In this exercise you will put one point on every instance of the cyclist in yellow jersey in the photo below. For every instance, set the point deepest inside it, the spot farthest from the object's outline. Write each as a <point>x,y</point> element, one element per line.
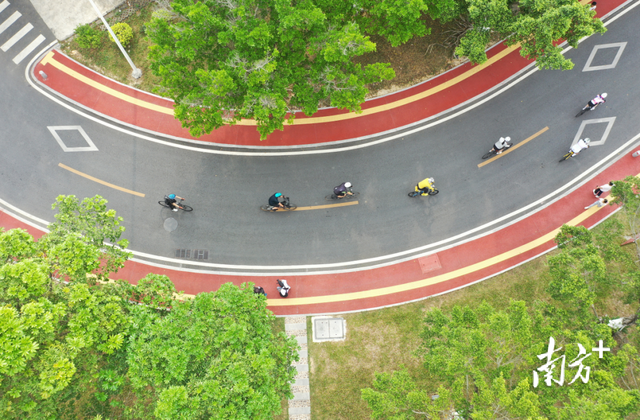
<point>425,186</point>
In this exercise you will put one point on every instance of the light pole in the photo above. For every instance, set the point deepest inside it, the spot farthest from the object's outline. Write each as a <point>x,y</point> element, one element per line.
<point>137,73</point>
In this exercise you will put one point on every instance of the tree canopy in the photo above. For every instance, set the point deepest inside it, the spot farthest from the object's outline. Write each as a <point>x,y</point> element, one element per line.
<point>222,61</point>
<point>75,344</point>
<point>481,360</point>
<point>535,25</point>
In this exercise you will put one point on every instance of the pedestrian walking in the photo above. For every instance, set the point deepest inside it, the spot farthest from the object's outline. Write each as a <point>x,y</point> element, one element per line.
<point>603,189</point>
<point>601,202</point>
<point>283,287</point>
<point>259,291</point>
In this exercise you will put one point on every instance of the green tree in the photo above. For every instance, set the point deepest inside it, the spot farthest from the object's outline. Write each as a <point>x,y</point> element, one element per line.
<point>481,361</point>
<point>51,333</point>
<point>535,25</point>
<point>85,239</point>
<point>259,59</point>
<point>215,356</point>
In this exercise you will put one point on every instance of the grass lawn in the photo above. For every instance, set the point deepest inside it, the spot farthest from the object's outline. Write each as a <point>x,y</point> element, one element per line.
<point>384,340</point>
<point>109,61</point>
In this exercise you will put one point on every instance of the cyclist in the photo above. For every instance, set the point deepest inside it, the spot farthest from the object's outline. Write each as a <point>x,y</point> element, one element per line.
<point>501,145</point>
<point>580,146</point>
<point>425,186</point>
<point>343,190</point>
<point>171,201</point>
<point>599,99</point>
<point>274,201</point>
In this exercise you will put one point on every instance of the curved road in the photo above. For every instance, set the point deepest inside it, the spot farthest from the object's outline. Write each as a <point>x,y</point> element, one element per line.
<point>226,191</point>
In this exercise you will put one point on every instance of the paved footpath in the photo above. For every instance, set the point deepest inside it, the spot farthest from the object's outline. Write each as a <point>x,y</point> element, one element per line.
<point>415,279</point>
<point>427,100</point>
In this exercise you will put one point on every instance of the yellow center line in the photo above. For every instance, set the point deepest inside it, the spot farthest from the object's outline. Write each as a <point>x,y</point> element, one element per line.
<point>82,174</point>
<point>49,59</point>
<point>433,280</point>
<point>512,148</point>
<point>328,206</point>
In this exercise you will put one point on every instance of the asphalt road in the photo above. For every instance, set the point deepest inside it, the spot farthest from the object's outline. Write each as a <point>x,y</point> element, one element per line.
<point>226,191</point>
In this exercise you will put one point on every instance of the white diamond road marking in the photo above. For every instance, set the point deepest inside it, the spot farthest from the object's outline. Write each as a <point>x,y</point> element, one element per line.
<point>619,45</point>
<point>28,49</point>
<point>54,129</point>
<point>17,37</point>
<point>15,16</point>
<point>609,121</point>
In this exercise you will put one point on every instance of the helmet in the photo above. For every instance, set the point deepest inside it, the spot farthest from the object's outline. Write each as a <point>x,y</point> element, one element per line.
<point>507,139</point>
<point>604,95</point>
<point>347,184</point>
<point>172,196</point>
<point>587,140</point>
<point>431,180</point>
<point>278,195</point>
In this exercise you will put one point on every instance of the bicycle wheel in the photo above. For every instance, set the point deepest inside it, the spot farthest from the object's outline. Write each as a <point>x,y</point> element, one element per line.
<point>163,204</point>
<point>290,208</point>
<point>265,208</point>
<point>186,208</point>
<point>334,197</point>
<point>487,155</point>
<point>414,193</point>
<point>434,192</point>
<point>582,111</point>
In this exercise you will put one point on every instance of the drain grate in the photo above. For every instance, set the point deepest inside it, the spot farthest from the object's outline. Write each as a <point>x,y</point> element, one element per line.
<point>192,254</point>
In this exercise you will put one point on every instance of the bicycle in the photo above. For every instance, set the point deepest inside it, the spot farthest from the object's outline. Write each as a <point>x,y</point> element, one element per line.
<point>285,203</point>
<point>181,206</point>
<point>495,151</point>
<point>568,155</point>
<point>432,191</point>
<point>589,107</point>
<point>585,109</point>
<point>333,197</point>
<point>582,143</point>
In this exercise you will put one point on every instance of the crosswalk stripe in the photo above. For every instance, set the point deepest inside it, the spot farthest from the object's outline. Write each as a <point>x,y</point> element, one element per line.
<point>4,5</point>
<point>17,37</point>
<point>15,16</point>
<point>28,49</point>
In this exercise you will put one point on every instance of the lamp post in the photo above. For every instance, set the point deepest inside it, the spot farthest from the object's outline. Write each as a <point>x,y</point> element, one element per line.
<point>137,73</point>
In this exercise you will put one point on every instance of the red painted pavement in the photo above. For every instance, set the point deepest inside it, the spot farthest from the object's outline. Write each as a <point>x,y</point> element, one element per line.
<point>295,134</point>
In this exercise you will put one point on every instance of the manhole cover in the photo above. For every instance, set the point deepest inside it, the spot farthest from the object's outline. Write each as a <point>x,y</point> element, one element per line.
<point>170,224</point>
<point>327,328</point>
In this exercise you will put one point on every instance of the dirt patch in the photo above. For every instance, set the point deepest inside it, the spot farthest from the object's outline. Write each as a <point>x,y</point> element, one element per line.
<point>418,60</point>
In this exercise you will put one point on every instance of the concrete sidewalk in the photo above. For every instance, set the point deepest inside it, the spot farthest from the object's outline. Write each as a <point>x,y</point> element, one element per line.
<point>63,16</point>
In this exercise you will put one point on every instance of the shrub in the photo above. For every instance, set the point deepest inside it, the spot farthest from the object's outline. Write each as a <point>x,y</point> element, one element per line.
<point>124,33</point>
<point>88,36</point>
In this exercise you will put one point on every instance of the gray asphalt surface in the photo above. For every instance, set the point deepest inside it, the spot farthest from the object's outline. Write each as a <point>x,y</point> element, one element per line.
<point>226,191</point>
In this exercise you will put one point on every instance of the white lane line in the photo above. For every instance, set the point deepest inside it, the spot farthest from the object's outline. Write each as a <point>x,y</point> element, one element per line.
<point>331,268</point>
<point>17,37</point>
<point>4,5</point>
<point>15,16</point>
<point>29,49</point>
